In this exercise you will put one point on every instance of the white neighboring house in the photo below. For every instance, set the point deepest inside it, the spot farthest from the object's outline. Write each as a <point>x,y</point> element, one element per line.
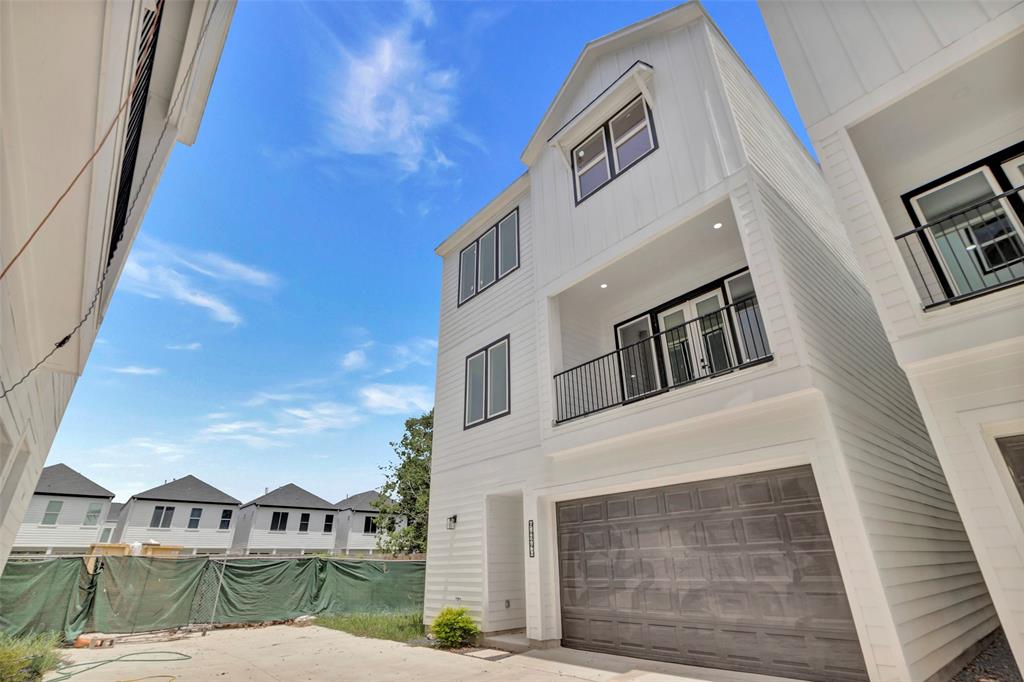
<point>66,69</point>
<point>357,524</point>
<point>917,113</point>
<point>65,514</point>
<point>668,421</point>
<point>110,522</point>
<point>286,521</point>
<point>185,511</point>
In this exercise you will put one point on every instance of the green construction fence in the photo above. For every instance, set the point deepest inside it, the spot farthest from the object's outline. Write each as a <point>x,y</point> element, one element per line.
<point>141,594</point>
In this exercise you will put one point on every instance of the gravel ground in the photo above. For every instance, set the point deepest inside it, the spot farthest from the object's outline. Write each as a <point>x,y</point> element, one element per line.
<point>994,664</point>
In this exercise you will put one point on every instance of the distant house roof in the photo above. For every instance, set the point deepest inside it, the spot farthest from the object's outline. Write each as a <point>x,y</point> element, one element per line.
<point>114,511</point>
<point>291,495</point>
<point>187,489</point>
<point>360,502</point>
<point>60,479</point>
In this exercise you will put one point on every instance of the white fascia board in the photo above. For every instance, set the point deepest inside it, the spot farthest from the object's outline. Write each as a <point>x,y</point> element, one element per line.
<point>485,216</point>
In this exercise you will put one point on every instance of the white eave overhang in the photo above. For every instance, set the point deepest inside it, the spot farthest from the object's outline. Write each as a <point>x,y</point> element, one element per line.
<point>489,214</point>
<point>636,80</point>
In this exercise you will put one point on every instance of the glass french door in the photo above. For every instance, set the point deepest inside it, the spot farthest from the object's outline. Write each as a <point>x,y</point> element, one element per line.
<point>637,359</point>
<point>696,342</point>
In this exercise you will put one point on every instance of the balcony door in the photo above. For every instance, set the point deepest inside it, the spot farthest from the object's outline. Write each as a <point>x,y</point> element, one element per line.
<point>637,361</point>
<point>696,339</point>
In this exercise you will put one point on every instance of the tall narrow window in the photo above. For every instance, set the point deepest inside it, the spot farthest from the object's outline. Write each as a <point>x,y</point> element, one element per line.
<point>467,273</point>
<point>370,525</point>
<point>328,523</point>
<point>279,521</point>
<point>487,383</point>
<point>304,523</point>
<point>590,160</point>
<point>508,243</point>
<point>631,134</point>
<point>225,519</point>
<point>52,512</point>
<point>194,517</point>
<point>92,514</point>
<point>488,255</point>
<point>105,535</point>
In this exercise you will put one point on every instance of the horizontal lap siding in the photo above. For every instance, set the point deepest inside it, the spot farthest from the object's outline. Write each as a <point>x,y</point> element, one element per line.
<point>207,536</point>
<point>68,532</point>
<point>505,564</point>
<point>470,463</point>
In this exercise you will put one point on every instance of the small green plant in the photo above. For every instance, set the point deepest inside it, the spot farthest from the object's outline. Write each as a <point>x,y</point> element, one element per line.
<point>398,627</point>
<point>25,659</point>
<point>454,627</point>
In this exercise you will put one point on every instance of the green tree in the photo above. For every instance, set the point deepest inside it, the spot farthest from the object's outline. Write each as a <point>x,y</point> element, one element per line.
<point>405,495</point>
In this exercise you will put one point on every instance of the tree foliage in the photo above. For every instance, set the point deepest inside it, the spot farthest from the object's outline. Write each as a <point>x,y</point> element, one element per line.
<point>405,496</point>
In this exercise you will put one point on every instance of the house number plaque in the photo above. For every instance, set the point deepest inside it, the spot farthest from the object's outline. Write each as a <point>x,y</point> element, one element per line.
<point>530,526</point>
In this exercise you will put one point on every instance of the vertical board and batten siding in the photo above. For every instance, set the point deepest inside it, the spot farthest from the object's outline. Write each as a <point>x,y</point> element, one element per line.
<point>877,41</point>
<point>69,531</point>
<point>695,153</point>
<point>469,464</point>
<point>208,536</point>
<point>937,598</point>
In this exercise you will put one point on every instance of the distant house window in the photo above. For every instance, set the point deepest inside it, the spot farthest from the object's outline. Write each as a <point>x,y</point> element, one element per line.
<point>161,517</point>
<point>105,535</point>
<point>631,135</point>
<point>194,517</point>
<point>487,383</point>
<point>328,523</point>
<point>491,257</point>
<point>279,521</point>
<point>52,512</point>
<point>92,514</point>
<point>304,523</point>
<point>225,519</point>
<point>370,525</point>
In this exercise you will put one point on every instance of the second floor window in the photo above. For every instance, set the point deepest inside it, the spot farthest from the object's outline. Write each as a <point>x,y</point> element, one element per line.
<point>161,517</point>
<point>92,514</point>
<point>52,512</point>
<point>225,519</point>
<point>487,383</point>
<point>279,521</point>
<point>492,256</point>
<point>328,523</point>
<point>304,523</point>
<point>630,136</point>
<point>194,517</point>
<point>370,525</point>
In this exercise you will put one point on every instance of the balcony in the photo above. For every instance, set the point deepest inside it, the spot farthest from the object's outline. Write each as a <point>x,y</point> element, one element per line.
<point>970,251</point>
<point>716,343</point>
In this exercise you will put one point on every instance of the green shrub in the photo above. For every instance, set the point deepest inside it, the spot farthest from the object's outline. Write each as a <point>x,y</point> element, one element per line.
<point>398,627</point>
<point>25,659</point>
<point>454,627</point>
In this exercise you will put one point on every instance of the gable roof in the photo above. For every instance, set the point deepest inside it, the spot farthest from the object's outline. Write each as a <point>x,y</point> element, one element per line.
<point>593,50</point>
<point>291,495</point>
<point>360,502</point>
<point>60,479</point>
<point>114,511</point>
<point>187,489</point>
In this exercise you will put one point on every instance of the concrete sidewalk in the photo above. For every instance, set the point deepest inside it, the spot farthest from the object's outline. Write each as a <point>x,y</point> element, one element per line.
<point>292,654</point>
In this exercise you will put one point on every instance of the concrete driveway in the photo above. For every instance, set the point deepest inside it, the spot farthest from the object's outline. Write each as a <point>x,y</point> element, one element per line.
<point>294,654</point>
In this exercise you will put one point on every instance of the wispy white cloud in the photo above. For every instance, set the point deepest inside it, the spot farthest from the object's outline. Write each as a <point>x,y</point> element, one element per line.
<point>137,370</point>
<point>323,416</point>
<point>264,397</point>
<point>396,398</point>
<point>353,360</point>
<point>163,271</point>
<point>416,351</point>
<point>390,99</point>
<point>195,345</point>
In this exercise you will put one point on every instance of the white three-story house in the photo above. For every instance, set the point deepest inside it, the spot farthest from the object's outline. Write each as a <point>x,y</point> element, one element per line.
<point>916,111</point>
<point>65,514</point>
<point>669,423</point>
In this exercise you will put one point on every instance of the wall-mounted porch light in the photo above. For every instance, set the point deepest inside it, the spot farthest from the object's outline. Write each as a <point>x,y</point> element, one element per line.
<point>451,522</point>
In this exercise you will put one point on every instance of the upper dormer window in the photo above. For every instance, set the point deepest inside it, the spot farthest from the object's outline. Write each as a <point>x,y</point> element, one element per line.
<point>629,133</point>
<point>492,256</point>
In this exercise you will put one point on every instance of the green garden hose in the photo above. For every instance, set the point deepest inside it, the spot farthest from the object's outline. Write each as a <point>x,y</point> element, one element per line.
<point>66,672</point>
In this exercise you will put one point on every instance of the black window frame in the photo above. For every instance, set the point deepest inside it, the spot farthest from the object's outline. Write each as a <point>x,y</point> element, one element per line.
<point>279,519</point>
<point>193,517</point>
<point>328,523</point>
<point>225,519</point>
<point>507,340</point>
<point>477,289</point>
<point>304,522</point>
<point>370,525</point>
<point>613,170</point>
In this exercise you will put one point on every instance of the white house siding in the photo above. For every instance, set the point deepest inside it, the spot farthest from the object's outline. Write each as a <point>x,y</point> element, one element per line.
<point>351,535</point>
<point>262,539</point>
<point>469,464</point>
<point>504,585</point>
<point>139,513</point>
<point>69,533</point>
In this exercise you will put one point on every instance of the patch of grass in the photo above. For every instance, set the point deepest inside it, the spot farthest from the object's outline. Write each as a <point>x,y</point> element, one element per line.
<point>398,627</point>
<point>25,659</point>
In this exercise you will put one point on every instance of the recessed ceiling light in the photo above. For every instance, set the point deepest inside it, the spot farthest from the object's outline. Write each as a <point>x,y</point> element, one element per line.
<point>971,247</point>
<point>717,226</point>
<point>604,286</point>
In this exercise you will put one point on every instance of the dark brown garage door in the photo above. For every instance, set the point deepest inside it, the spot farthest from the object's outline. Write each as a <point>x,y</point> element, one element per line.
<point>736,573</point>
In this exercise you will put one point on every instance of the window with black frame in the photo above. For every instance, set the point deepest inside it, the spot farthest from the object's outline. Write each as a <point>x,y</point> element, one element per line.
<point>490,257</point>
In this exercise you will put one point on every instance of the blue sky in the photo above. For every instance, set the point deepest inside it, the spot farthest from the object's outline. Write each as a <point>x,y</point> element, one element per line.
<point>277,320</point>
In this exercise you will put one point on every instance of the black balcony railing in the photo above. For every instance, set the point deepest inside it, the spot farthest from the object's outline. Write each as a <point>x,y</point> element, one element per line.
<point>971,252</point>
<point>710,345</point>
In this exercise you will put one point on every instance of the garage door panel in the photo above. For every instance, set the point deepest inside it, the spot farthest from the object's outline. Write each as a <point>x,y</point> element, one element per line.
<point>736,573</point>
